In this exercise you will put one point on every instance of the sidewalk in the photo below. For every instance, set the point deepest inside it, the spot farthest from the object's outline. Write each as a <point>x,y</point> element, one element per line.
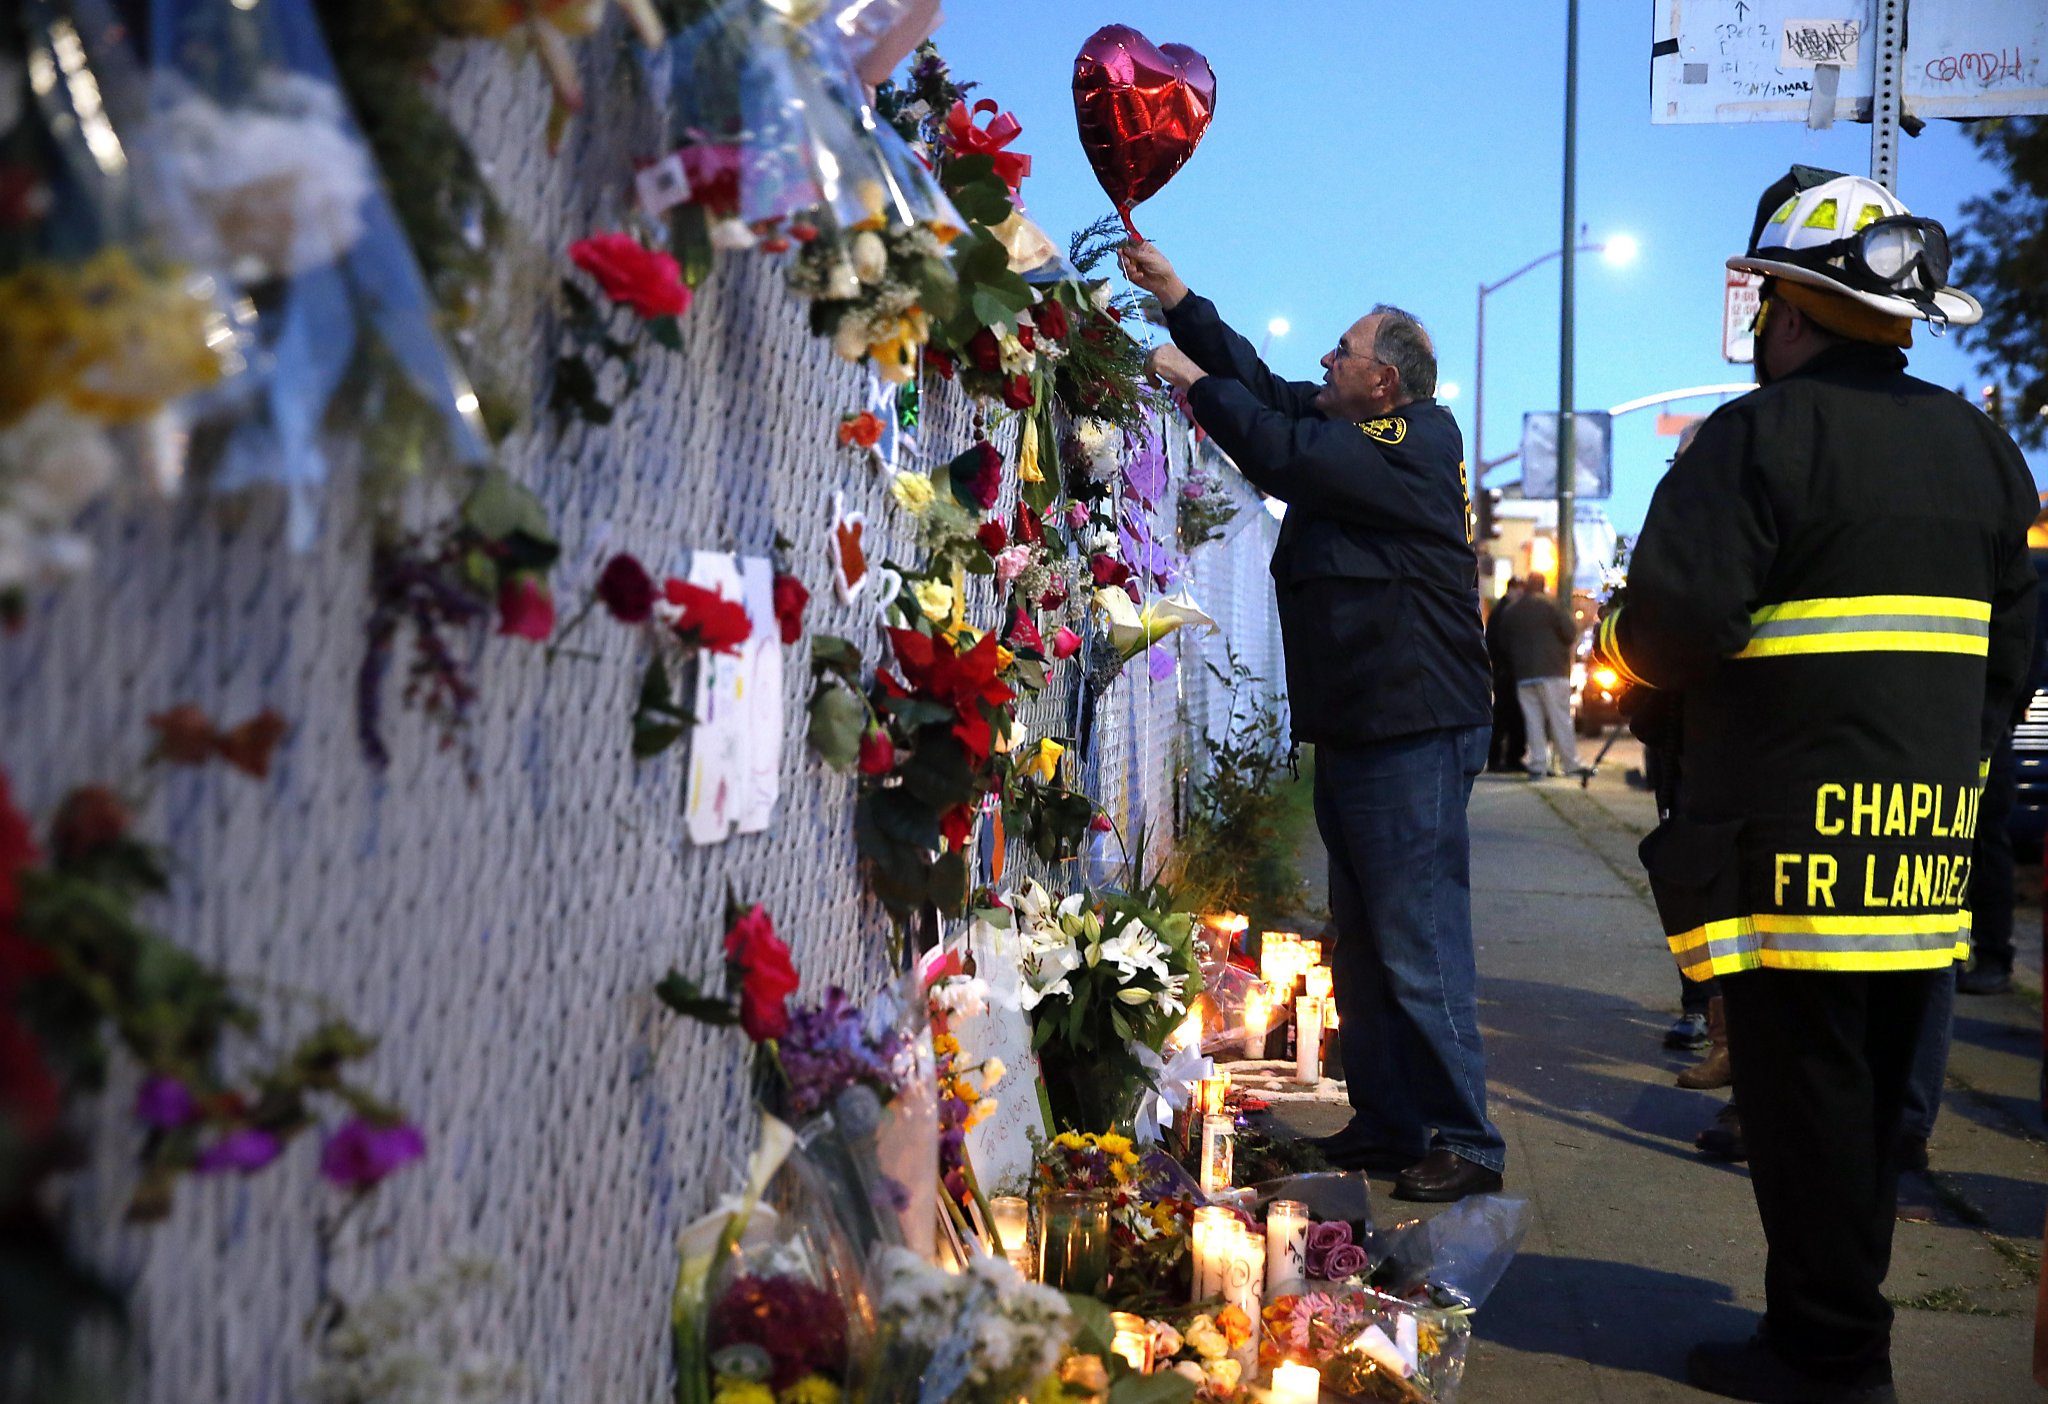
<point>1637,1247</point>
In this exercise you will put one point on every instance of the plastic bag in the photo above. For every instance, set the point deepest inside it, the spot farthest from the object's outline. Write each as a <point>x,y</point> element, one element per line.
<point>110,320</point>
<point>1459,1255</point>
<point>981,1336</point>
<point>1330,1195</point>
<point>264,149</point>
<point>1228,992</point>
<point>770,1290</point>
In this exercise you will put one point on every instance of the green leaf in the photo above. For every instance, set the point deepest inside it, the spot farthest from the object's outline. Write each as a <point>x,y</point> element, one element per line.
<point>949,883</point>
<point>828,651</point>
<point>688,999</point>
<point>939,773</point>
<point>1166,1387</point>
<point>575,392</point>
<point>652,738</point>
<point>1094,1332</point>
<point>666,330</point>
<point>901,818</point>
<point>837,720</point>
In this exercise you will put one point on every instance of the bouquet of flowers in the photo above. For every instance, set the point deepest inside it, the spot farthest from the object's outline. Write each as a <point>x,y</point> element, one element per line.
<point>1105,975</point>
<point>1202,1349</point>
<point>981,1336</point>
<point>1370,1346</point>
<point>871,291</point>
<point>1205,505</point>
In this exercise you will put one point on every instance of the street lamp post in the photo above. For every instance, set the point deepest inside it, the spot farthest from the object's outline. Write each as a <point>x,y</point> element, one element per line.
<point>1567,445</point>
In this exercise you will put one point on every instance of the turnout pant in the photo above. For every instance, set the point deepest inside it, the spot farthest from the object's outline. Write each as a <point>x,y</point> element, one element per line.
<point>1547,707</point>
<point>1392,815</point>
<point>1821,1064</point>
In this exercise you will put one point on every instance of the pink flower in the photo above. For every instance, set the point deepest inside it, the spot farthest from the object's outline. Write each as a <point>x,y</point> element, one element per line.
<point>525,608</point>
<point>1023,633</point>
<point>1100,824</point>
<point>245,1149</point>
<point>1011,562</point>
<point>362,1153</point>
<point>1066,643</point>
<point>1077,515</point>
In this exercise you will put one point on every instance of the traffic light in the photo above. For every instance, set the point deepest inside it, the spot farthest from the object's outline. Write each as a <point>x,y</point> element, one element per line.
<point>1994,404</point>
<point>1489,514</point>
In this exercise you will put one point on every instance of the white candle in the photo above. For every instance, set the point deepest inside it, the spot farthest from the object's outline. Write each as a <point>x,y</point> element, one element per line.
<point>1255,1017</point>
<point>1308,1040</point>
<point>1012,1215</point>
<point>1211,1223</point>
<point>1319,979</point>
<point>1286,1244</point>
<point>1219,1143</point>
<point>1295,1384</point>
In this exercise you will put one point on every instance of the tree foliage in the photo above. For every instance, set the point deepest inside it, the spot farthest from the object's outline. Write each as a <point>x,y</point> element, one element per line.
<point>2002,257</point>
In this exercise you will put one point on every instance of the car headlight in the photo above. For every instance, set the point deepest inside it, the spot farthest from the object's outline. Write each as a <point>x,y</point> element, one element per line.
<point>1606,677</point>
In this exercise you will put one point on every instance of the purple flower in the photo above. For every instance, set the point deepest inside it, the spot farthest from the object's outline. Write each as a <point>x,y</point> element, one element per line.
<point>245,1149</point>
<point>835,1046</point>
<point>362,1152</point>
<point>1077,515</point>
<point>1160,664</point>
<point>165,1103</point>
<point>1344,1260</point>
<point>1325,1236</point>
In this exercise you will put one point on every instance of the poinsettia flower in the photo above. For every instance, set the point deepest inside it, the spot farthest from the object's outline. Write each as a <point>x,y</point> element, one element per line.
<point>790,599</point>
<point>649,282</point>
<point>1023,633</point>
<point>767,975</point>
<point>525,608</point>
<point>706,618</point>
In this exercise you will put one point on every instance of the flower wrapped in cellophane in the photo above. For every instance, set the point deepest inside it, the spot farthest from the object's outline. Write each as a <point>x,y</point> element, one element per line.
<point>263,148</point>
<point>110,318</point>
<point>861,1088</point>
<point>983,1335</point>
<point>1369,1345</point>
<point>769,1305</point>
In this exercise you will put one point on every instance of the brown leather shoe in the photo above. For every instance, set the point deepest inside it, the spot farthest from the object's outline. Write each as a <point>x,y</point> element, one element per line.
<point>1722,1139</point>
<point>1442,1176</point>
<point>1714,1070</point>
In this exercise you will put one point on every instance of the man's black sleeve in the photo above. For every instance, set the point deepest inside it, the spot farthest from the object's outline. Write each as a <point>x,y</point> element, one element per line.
<point>2009,666</point>
<point>1212,345</point>
<point>1707,543</point>
<point>1326,466</point>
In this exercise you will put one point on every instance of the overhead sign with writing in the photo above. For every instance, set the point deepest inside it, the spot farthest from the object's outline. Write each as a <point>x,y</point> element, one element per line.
<point>1764,60</point>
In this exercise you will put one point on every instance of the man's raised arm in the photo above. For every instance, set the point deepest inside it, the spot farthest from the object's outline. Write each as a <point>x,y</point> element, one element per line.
<point>1209,342</point>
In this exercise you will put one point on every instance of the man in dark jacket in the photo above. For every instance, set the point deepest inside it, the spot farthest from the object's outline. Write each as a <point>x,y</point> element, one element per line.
<point>1539,633</point>
<point>1510,734</point>
<point>1834,577</point>
<point>1387,678</point>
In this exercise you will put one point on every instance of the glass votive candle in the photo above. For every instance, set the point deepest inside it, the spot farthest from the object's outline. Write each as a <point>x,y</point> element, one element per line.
<point>1073,1240</point>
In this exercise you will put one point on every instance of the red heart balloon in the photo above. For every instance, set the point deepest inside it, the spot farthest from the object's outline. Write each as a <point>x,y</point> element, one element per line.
<point>1142,109</point>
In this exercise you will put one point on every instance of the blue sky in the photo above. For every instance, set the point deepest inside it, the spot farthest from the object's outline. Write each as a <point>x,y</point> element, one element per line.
<point>1405,153</point>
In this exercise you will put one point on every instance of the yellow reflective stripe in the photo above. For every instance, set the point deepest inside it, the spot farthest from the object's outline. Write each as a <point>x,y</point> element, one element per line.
<point>1795,941</point>
<point>1946,606</point>
<point>1871,641</point>
<point>1607,649</point>
<point>1822,216</point>
<point>1983,771</point>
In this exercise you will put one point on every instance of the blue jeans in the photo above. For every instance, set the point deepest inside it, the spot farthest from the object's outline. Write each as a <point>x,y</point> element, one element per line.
<point>1392,815</point>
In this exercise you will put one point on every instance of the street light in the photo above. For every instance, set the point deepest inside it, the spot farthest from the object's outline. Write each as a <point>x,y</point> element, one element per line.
<point>1279,326</point>
<point>1448,390</point>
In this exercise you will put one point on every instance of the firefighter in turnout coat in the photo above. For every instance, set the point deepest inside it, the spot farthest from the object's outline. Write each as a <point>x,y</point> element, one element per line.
<point>1835,579</point>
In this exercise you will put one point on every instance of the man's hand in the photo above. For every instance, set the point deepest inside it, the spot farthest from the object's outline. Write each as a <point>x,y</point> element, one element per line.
<point>1150,269</point>
<point>1171,364</point>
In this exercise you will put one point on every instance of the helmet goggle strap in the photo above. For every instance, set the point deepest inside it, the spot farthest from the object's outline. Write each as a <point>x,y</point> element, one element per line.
<point>1898,256</point>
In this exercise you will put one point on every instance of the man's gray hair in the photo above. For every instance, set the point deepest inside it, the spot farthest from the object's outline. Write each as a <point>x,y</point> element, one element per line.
<point>1401,342</point>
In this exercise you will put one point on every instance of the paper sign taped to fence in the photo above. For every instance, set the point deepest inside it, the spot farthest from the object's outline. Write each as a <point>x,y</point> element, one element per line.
<point>736,746</point>
<point>1809,43</point>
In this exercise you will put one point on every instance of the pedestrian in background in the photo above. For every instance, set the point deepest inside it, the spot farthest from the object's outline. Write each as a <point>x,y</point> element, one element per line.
<point>1835,580</point>
<point>1510,733</point>
<point>1387,678</point>
<point>1539,633</point>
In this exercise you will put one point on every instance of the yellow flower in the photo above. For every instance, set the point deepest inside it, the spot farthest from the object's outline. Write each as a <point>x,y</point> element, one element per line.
<point>945,1044</point>
<point>1027,454</point>
<point>1068,1140</point>
<point>1111,1142</point>
<point>1004,658</point>
<point>935,598</point>
<point>965,1091</point>
<point>811,1389</point>
<point>1223,1374</point>
<point>1045,764</point>
<point>732,1390</point>
<point>913,492</point>
<point>1208,1341</point>
<point>992,1072</point>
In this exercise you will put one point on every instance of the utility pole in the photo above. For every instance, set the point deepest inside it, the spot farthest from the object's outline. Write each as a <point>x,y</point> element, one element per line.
<point>1567,448</point>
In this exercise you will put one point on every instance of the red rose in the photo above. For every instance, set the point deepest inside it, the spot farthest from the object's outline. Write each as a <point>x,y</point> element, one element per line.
<point>648,282</point>
<point>790,599</point>
<point>863,429</point>
<point>90,818</point>
<point>626,589</point>
<point>956,826</point>
<point>1018,394</point>
<point>17,851</point>
<point>525,608</point>
<point>767,977</point>
<point>992,537</point>
<point>877,752</point>
<point>940,362</point>
<point>1025,337</point>
<point>985,352</point>
<point>1100,824</point>
<point>1066,643</point>
<point>1108,570</point>
<point>979,473</point>
<point>707,618</point>
<point>1052,320</point>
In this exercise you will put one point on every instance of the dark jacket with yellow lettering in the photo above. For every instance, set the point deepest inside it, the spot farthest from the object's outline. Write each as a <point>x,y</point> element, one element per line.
<point>1834,577</point>
<point>1374,571</point>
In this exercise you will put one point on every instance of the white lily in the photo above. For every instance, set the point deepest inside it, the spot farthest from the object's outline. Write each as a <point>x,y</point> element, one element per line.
<point>1133,632</point>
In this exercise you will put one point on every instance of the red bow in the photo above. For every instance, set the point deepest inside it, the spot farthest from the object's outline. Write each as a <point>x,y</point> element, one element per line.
<point>964,138</point>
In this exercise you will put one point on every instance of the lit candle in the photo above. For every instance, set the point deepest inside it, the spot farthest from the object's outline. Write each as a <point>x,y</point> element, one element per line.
<point>1311,953</point>
<point>1278,952</point>
<point>1256,1014</point>
<point>1319,981</point>
<point>1211,1223</point>
<point>1308,1040</point>
<point>1133,1340</point>
<point>1248,1275</point>
<point>1295,1384</point>
<point>1012,1214</point>
<point>1219,1147</point>
<point>1286,1244</point>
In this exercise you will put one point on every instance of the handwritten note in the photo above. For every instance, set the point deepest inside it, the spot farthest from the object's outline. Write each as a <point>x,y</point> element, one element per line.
<point>1809,43</point>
